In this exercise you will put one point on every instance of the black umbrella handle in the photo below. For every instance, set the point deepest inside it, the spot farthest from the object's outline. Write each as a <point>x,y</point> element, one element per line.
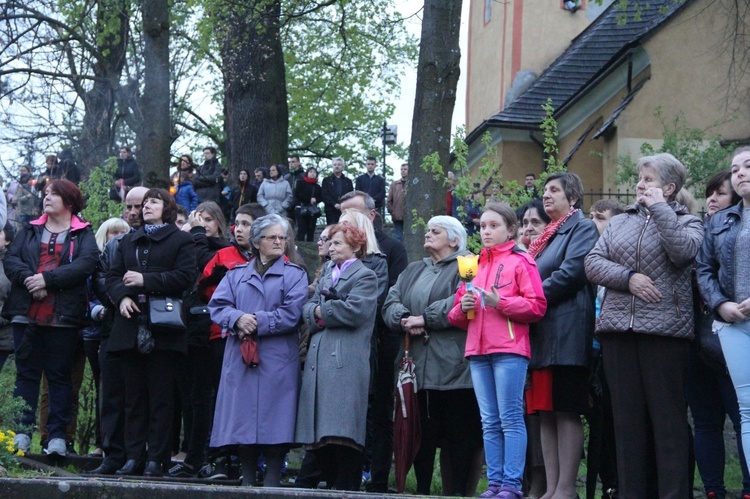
<point>407,344</point>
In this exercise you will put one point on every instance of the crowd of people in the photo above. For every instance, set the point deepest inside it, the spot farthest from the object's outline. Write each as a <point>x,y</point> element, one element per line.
<point>624,316</point>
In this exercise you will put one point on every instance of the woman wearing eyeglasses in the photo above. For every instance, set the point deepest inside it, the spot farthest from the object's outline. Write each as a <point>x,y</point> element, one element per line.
<point>332,410</point>
<point>418,305</point>
<point>498,346</point>
<point>260,302</point>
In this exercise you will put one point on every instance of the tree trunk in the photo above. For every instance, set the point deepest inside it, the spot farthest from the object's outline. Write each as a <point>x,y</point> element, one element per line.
<point>96,140</point>
<point>437,79</point>
<point>256,116</point>
<point>154,134</point>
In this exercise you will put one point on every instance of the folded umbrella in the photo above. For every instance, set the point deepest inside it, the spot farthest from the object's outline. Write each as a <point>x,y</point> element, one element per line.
<point>407,430</point>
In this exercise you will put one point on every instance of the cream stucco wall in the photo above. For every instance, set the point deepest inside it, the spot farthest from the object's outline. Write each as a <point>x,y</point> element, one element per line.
<point>521,35</point>
<point>689,65</point>
<point>686,71</point>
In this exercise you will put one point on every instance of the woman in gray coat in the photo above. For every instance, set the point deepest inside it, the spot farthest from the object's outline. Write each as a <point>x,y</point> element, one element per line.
<point>261,302</point>
<point>332,412</point>
<point>275,194</point>
<point>418,305</point>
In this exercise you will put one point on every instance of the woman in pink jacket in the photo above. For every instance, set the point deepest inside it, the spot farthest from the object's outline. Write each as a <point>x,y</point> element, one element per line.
<point>497,344</point>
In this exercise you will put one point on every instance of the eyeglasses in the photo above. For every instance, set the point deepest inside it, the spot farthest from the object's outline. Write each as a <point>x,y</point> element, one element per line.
<point>274,238</point>
<point>322,240</point>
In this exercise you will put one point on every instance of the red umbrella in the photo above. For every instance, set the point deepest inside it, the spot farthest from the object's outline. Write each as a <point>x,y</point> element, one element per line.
<point>407,431</point>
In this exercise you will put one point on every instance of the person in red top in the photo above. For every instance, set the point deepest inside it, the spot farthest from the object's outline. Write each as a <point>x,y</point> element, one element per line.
<point>497,344</point>
<point>48,265</point>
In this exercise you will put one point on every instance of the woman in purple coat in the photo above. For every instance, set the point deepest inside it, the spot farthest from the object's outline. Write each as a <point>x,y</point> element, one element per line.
<point>260,302</point>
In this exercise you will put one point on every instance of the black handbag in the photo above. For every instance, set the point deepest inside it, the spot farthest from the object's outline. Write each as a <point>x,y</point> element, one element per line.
<point>307,211</point>
<point>165,312</point>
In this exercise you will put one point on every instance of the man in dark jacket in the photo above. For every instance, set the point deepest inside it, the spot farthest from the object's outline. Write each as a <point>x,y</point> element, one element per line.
<point>385,347</point>
<point>372,184</point>
<point>294,175</point>
<point>112,380</point>
<point>335,186</point>
<point>207,180</point>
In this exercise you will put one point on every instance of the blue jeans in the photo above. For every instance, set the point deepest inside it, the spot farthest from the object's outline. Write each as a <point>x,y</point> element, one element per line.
<point>711,398</point>
<point>398,229</point>
<point>735,343</point>
<point>52,351</point>
<point>498,383</point>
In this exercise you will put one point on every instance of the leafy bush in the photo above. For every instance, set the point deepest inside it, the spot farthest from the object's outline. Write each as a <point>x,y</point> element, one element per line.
<point>99,207</point>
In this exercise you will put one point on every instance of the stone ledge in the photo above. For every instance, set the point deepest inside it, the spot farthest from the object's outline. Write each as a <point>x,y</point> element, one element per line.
<point>108,488</point>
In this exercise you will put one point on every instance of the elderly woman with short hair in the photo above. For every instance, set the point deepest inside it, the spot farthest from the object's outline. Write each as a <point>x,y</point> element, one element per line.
<point>332,412</point>
<point>262,301</point>
<point>644,258</point>
<point>418,305</point>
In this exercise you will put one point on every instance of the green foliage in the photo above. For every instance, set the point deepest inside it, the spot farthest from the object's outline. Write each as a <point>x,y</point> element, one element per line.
<point>343,73</point>
<point>99,207</point>
<point>550,134</point>
<point>12,407</point>
<point>639,5</point>
<point>86,423</point>
<point>701,152</point>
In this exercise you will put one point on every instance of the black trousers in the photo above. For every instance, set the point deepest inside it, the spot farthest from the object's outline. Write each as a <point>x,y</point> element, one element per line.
<point>112,405</point>
<point>149,403</point>
<point>340,465</point>
<point>379,444</point>
<point>646,375</point>
<point>450,419</point>
<point>201,406</point>
<point>306,227</point>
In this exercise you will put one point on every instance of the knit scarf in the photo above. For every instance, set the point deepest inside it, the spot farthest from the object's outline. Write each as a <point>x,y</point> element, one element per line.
<point>311,180</point>
<point>540,242</point>
<point>150,228</point>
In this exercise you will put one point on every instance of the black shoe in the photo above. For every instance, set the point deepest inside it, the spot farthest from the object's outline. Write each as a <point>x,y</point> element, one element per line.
<point>132,467</point>
<point>153,468</point>
<point>103,469</point>
<point>181,470</point>
<point>71,448</point>
<point>216,471</point>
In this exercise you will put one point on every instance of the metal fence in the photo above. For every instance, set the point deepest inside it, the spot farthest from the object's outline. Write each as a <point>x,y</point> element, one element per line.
<point>625,197</point>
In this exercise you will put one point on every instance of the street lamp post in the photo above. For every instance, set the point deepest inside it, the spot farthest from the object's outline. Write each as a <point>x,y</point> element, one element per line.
<point>388,135</point>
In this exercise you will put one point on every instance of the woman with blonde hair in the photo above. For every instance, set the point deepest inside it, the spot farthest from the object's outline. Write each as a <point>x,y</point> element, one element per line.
<point>373,258</point>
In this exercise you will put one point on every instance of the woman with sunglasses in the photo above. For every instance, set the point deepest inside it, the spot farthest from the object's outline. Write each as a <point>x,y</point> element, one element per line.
<point>498,346</point>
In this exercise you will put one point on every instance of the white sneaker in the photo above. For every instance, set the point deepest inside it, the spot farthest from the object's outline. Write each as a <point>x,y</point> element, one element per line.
<point>22,442</point>
<point>57,446</point>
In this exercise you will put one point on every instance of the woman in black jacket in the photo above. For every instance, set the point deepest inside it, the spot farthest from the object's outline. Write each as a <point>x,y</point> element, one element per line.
<point>307,195</point>
<point>157,260</point>
<point>47,265</point>
<point>245,192</point>
<point>127,175</point>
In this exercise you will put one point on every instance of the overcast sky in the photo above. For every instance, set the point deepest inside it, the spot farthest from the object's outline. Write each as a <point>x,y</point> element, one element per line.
<point>405,107</point>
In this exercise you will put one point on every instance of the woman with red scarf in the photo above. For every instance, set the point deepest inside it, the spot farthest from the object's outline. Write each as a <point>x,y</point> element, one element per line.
<point>307,195</point>
<point>561,341</point>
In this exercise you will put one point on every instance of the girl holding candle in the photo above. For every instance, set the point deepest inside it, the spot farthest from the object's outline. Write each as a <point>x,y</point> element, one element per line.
<point>497,344</point>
